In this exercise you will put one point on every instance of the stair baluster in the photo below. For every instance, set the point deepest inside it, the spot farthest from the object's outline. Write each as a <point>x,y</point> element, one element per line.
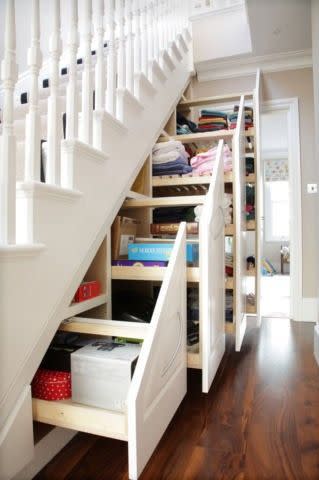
<point>129,74</point>
<point>150,34</point>
<point>137,40</point>
<point>32,134</point>
<point>54,126</point>
<point>72,106</point>
<point>98,21</point>
<point>121,44</point>
<point>87,81</point>
<point>111,60</point>
<point>144,39</point>
<point>156,30</point>
<point>8,140</point>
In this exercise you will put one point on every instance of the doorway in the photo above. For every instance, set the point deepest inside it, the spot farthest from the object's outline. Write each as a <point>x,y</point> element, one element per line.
<point>281,210</point>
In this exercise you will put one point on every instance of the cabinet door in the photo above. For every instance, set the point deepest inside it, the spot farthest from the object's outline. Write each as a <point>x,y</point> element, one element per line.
<point>239,185</point>
<point>159,382</point>
<point>258,194</point>
<point>212,275</point>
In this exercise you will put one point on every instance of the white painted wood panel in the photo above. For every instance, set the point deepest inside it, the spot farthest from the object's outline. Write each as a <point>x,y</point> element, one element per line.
<point>240,221</point>
<point>159,382</point>
<point>212,275</point>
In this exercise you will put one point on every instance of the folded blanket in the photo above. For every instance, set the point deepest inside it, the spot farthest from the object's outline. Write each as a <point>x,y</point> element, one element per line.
<point>170,157</point>
<point>164,147</point>
<point>177,167</point>
<point>210,128</point>
<point>213,113</point>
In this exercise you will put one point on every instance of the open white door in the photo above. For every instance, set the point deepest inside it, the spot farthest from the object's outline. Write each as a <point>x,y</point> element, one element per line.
<point>258,194</point>
<point>160,379</point>
<point>212,275</point>
<point>240,226</point>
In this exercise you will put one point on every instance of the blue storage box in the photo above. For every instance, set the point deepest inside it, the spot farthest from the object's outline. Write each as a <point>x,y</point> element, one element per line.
<point>160,251</point>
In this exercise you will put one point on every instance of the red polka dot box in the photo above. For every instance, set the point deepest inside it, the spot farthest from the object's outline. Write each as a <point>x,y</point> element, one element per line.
<point>51,385</point>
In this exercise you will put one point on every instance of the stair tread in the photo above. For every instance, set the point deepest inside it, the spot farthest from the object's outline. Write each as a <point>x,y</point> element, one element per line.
<point>94,326</point>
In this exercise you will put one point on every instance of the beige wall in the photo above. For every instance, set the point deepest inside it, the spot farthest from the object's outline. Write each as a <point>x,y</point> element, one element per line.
<point>297,83</point>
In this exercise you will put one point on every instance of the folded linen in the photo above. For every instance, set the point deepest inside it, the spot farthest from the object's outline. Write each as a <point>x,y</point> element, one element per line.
<point>213,113</point>
<point>164,147</point>
<point>170,157</point>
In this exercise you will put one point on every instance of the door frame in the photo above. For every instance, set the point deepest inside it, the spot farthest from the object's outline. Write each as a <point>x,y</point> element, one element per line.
<point>291,105</point>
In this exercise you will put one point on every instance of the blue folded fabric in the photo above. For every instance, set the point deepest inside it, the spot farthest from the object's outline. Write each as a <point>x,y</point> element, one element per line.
<point>214,113</point>
<point>171,168</point>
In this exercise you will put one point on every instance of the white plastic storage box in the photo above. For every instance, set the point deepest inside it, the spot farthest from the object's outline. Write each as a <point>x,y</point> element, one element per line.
<point>101,374</point>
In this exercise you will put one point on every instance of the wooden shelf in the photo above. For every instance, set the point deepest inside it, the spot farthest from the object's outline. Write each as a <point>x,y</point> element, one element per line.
<point>251,272</point>
<point>206,101</point>
<point>136,195</point>
<point>251,225</point>
<point>175,181</point>
<point>193,360</point>
<point>229,283</point>
<point>203,136</point>
<point>80,307</point>
<point>185,201</point>
<point>83,418</point>
<point>229,328</point>
<point>105,327</point>
<point>207,136</point>
<point>251,309</point>
<point>149,273</point>
<point>229,230</point>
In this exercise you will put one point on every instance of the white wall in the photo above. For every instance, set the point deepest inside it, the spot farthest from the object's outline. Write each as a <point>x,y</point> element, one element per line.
<point>221,35</point>
<point>315,56</point>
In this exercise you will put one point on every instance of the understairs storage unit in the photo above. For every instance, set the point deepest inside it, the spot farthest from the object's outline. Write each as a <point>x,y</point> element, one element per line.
<point>241,178</point>
<point>75,132</point>
<point>205,272</point>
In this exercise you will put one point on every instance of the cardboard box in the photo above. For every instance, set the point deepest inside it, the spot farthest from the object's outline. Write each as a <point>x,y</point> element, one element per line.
<point>160,251</point>
<point>87,290</point>
<point>101,374</point>
<point>123,232</point>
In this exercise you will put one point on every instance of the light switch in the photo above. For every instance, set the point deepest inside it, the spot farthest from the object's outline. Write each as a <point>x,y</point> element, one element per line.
<point>312,187</point>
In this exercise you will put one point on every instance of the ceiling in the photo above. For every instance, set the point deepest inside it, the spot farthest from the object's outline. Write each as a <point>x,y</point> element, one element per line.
<point>278,26</point>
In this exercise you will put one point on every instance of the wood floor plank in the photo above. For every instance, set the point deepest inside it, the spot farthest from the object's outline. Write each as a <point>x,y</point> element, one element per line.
<point>260,420</point>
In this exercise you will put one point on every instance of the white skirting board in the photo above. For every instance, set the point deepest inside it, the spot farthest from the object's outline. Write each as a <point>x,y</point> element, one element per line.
<point>45,450</point>
<point>309,310</point>
<point>316,343</point>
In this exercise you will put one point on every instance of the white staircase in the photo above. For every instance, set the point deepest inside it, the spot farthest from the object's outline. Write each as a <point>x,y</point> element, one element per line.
<point>50,232</point>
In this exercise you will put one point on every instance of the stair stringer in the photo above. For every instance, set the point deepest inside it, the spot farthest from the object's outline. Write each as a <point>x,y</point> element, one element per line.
<point>71,232</point>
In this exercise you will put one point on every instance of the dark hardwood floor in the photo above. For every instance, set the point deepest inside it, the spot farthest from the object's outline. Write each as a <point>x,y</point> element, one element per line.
<point>259,421</point>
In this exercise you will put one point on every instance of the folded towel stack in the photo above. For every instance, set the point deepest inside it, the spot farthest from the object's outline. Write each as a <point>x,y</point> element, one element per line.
<point>228,208</point>
<point>249,117</point>
<point>184,125</point>
<point>229,306</point>
<point>229,266</point>
<point>170,158</point>
<point>211,120</point>
<point>203,163</point>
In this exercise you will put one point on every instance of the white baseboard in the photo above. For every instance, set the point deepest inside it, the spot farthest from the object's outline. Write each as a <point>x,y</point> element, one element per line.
<point>309,310</point>
<point>45,450</point>
<point>316,343</point>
